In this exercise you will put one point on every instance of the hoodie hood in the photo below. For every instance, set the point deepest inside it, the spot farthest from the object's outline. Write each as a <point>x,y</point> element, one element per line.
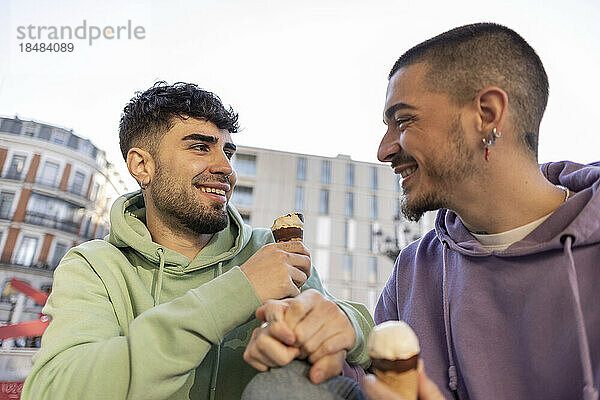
<point>576,218</point>
<point>128,229</point>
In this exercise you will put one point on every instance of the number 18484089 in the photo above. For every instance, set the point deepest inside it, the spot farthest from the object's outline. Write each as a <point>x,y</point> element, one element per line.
<point>46,47</point>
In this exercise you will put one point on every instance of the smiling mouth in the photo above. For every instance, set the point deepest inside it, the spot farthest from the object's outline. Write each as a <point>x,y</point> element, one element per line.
<point>408,171</point>
<point>212,190</point>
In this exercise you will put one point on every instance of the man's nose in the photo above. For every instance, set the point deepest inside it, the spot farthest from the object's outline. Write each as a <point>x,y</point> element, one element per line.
<point>388,147</point>
<point>222,165</point>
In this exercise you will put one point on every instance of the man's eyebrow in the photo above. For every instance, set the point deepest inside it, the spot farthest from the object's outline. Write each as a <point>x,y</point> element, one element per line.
<point>230,146</point>
<point>201,137</point>
<point>398,106</point>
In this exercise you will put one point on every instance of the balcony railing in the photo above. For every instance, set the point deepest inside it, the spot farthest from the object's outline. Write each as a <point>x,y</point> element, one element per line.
<point>47,183</point>
<point>76,190</point>
<point>51,221</point>
<point>17,176</point>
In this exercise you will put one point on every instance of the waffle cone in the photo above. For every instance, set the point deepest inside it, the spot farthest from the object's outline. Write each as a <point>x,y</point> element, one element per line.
<point>403,383</point>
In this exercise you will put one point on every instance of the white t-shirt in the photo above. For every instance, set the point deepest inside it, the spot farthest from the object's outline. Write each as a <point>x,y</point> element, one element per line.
<point>502,240</point>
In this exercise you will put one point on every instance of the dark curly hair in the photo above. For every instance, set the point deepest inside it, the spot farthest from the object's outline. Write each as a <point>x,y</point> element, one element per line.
<point>466,59</point>
<point>150,114</point>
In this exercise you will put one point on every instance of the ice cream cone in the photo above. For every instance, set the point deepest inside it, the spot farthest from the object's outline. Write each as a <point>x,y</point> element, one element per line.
<point>394,350</point>
<point>403,383</point>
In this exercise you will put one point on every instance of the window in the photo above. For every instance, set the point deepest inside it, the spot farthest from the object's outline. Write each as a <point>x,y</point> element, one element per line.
<point>323,232</point>
<point>11,126</point>
<point>30,130</point>
<point>58,136</point>
<point>299,200</point>
<point>346,293</point>
<point>99,231</point>
<point>77,185</point>
<point>87,148</point>
<point>372,269</point>
<point>47,288</point>
<point>349,234</point>
<point>52,212</point>
<point>26,251</point>
<point>374,237</point>
<point>60,249</point>
<point>17,165</point>
<point>245,218</point>
<point>88,228</point>
<point>346,234</point>
<point>349,205</point>
<point>245,164</point>
<point>301,169</point>
<point>73,141</point>
<point>49,174</point>
<point>347,267</point>
<point>95,191</point>
<point>326,172</point>
<point>45,132</point>
<point>373,207</point>
<point>372,300</point>
<point>349,174</point>
<point>324,201</point>
<point>6,200</point>
<point>8,293</point>
<point>321,261</point>
<point>398,212</point>
<point>374,182</point>
<point>242,196</point>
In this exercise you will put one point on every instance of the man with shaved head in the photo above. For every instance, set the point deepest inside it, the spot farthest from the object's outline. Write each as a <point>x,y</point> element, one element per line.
<point>503,292</point>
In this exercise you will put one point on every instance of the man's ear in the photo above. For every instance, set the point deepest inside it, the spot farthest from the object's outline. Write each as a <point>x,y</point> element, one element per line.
<point>491,104</point>
<point>140,165</point>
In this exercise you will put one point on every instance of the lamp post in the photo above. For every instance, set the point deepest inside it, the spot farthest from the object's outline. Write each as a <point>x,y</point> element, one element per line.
<point>387,245</point>
<point>391,245</point>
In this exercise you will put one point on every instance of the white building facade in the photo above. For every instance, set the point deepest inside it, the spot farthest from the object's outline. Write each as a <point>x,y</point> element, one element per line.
<point>56,190</point>
<point>350,209</point>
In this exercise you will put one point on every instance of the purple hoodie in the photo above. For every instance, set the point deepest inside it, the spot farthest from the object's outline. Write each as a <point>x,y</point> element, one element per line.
<point>522,323</point>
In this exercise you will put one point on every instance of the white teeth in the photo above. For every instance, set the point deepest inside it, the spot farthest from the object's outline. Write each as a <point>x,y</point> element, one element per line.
<point>213,190</point>
<point>406,172</point>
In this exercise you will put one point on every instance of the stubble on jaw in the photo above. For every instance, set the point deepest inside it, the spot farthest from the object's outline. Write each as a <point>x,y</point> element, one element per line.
<point>179,208</point>
<point>450,169</point>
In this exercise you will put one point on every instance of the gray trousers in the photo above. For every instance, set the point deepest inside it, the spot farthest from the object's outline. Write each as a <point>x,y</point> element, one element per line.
<point>292,383</point>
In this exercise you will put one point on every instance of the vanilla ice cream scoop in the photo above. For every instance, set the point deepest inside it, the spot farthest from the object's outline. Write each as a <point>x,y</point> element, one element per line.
<point>393,340</point>
<point>288,227</point>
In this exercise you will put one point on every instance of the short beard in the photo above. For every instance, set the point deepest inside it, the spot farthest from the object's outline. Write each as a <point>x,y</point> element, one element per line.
<point>452,169</point>
<point>414,212</point>
<point>181,211</point>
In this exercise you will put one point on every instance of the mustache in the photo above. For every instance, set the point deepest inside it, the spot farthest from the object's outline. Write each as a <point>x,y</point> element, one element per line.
<point>200,179</point>
<point>402,158</point>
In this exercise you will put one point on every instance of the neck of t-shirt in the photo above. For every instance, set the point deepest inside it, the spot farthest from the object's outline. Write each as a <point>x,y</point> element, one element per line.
<point>502,240</point>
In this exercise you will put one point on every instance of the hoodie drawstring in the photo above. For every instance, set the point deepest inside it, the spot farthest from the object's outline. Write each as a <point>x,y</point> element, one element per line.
<point>215,372</point>
<point>589,392</point>
<point>160,252</point>
<point>452,376</point>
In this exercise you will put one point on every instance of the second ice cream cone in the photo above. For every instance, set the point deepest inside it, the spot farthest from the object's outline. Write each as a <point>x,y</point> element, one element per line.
<point>403,383</point>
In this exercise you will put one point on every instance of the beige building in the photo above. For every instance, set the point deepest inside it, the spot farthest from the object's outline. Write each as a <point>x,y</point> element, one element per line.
<point>56,189</point>
<point>349,207</point>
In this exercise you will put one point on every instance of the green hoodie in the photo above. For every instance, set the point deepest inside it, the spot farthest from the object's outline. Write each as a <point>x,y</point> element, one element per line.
<point>134,320</point>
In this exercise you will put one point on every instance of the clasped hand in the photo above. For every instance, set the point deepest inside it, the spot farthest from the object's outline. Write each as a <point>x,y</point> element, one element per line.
<point>307,326</point>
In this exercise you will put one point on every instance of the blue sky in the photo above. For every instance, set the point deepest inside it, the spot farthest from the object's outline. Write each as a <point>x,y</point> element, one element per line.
<point>305,76</point>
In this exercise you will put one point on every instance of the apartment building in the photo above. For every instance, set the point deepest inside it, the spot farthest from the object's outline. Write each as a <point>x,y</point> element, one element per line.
<point>56,190</point>
<point>351,211</point>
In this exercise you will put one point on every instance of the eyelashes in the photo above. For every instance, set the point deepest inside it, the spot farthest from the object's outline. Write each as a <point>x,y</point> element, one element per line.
<point>402,122</point>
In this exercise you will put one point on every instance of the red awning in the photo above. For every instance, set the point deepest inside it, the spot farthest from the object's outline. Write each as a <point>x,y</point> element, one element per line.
<point>25,329</point>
